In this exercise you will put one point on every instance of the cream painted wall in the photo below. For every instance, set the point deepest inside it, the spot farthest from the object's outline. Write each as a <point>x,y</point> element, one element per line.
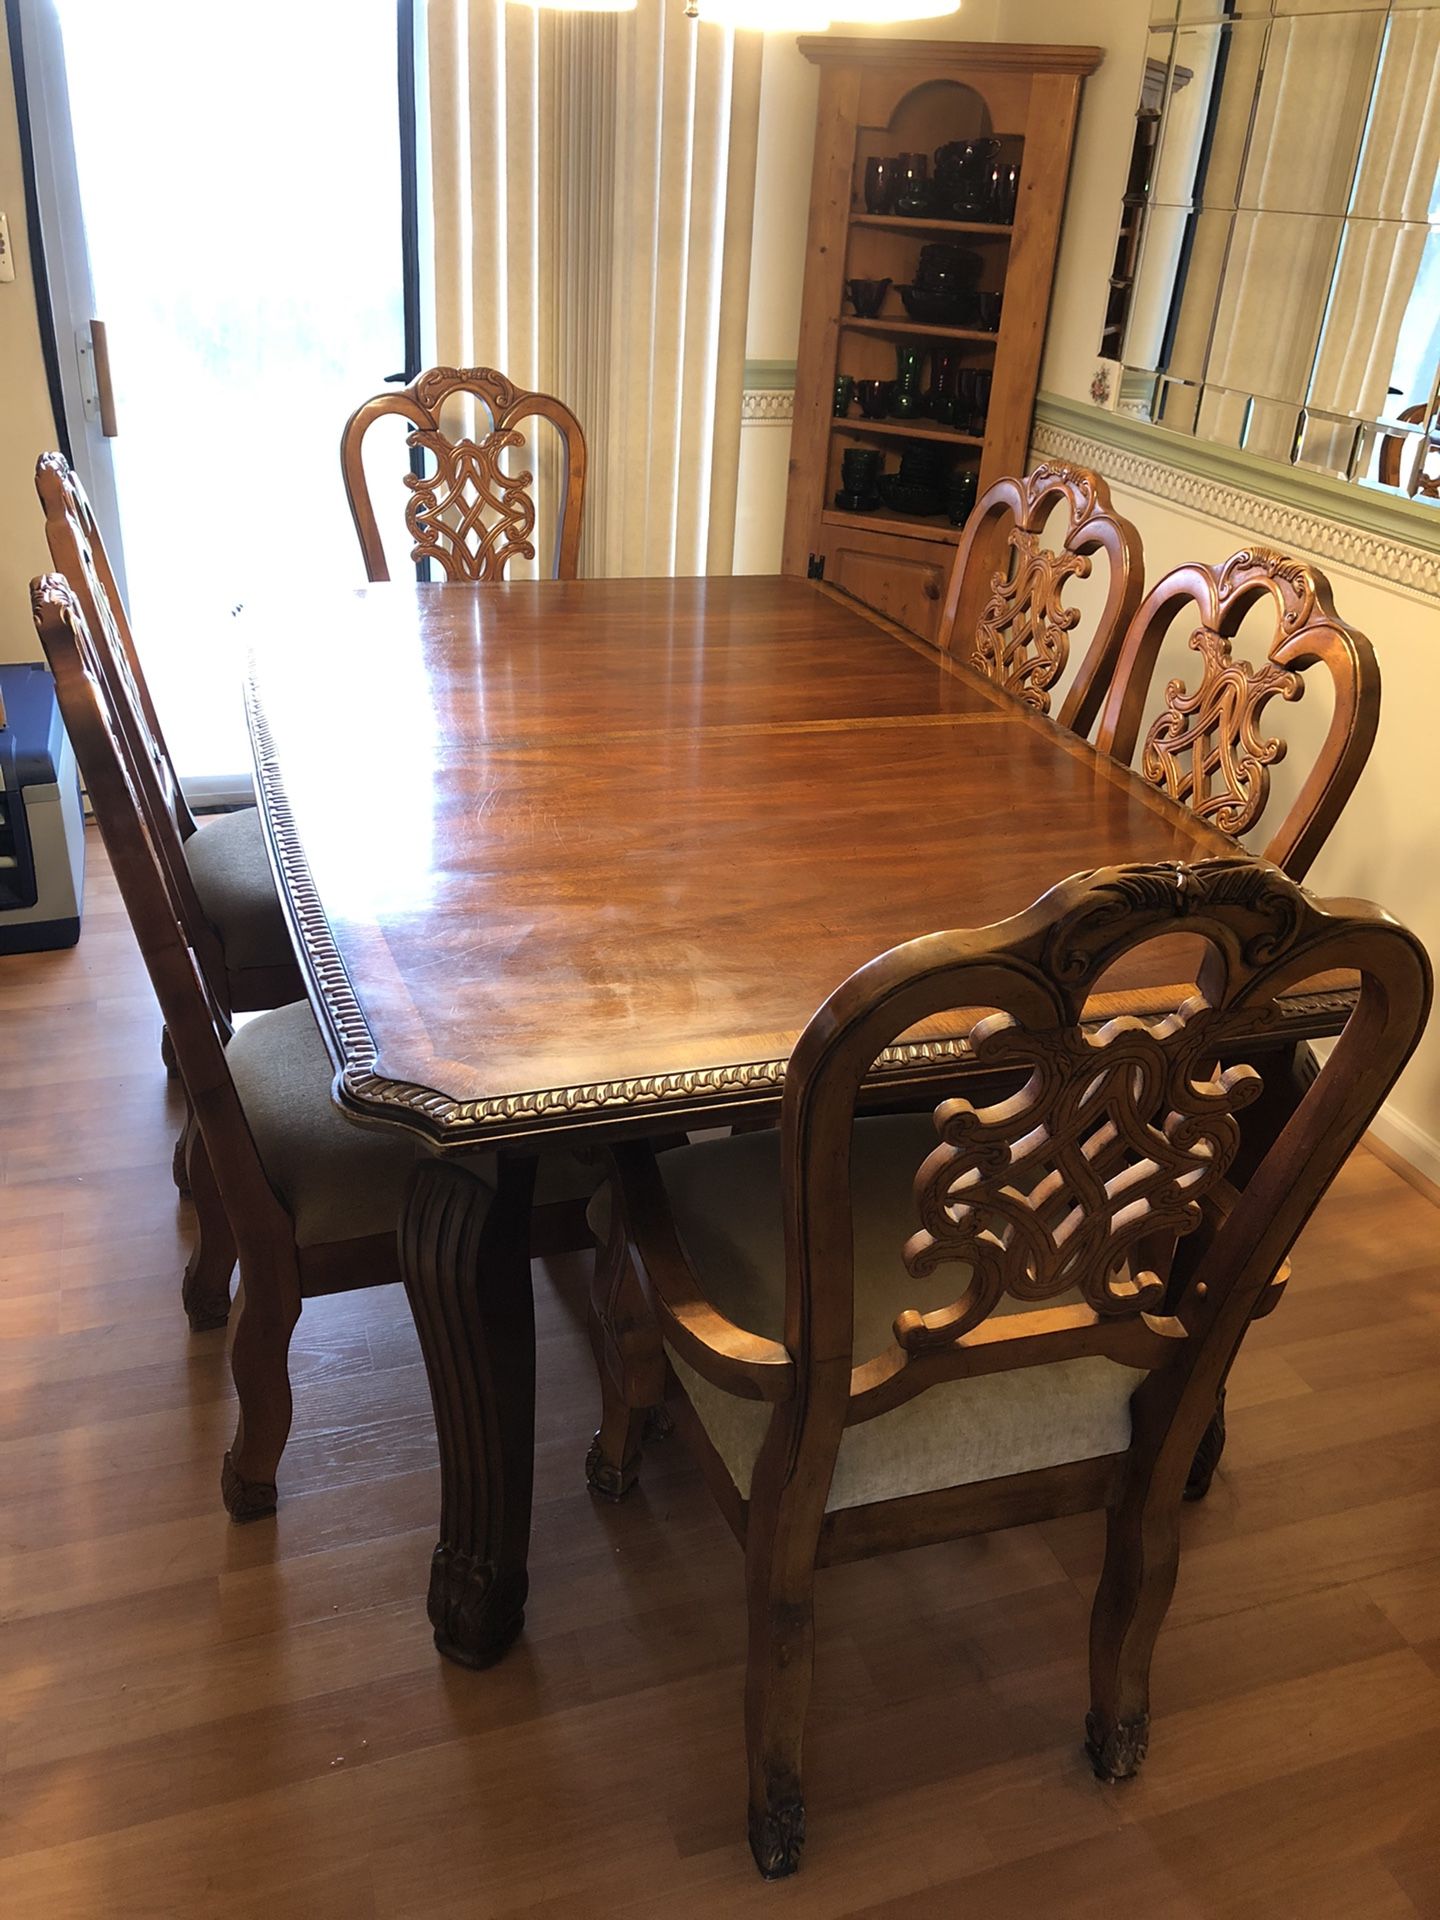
<point>27,426</point>
<point>1098,166</point>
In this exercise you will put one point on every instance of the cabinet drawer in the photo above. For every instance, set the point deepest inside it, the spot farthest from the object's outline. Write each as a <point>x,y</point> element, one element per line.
<point>903,579</point>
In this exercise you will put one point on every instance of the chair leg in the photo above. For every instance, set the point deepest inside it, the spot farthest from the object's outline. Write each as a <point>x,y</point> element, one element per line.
<point>167,1053</point>
<point>780,1589</point>
<point>205,1291</point>
<point>630,1360</point>
<point>1142,1556</point>
<point>1207,1454</point>
<point>259,1361</point>
<point>179,1170</point>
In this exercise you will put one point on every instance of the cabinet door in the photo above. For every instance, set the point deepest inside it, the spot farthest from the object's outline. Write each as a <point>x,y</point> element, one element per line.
<point>903,579</point>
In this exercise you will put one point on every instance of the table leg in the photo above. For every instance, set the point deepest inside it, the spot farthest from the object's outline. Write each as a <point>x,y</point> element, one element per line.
<point>465,1258</point>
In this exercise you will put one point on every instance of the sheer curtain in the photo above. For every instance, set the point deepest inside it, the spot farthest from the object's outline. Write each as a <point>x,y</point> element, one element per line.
<point>593,190</point>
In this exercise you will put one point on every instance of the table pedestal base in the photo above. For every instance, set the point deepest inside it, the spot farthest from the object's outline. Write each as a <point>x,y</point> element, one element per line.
<point>465,1258</point>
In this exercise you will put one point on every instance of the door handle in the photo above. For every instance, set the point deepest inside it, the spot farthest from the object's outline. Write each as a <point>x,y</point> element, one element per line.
<point>104,390</point>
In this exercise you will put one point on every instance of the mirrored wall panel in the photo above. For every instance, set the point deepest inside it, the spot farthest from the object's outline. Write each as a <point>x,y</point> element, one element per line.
<point>1277,273</point>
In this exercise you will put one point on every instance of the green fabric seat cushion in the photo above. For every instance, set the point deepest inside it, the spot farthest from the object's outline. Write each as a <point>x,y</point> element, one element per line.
<point>339,1180</point>
<point>231,871</point>
<point>725,1199</point>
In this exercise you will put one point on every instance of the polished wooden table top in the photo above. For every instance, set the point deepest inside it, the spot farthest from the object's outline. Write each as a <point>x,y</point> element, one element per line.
<point>569,856</point>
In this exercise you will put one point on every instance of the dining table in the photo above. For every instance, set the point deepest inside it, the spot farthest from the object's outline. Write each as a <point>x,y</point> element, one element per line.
<point>570,861</point>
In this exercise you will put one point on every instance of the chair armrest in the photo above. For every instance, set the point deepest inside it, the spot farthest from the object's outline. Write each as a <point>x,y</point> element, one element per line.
<point>728,1356</point>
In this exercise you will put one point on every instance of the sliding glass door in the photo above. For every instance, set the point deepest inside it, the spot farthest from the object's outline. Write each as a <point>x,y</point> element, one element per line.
<point>223,188</point>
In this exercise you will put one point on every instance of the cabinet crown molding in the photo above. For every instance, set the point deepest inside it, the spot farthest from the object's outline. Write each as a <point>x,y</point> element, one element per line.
<point>988,56</point>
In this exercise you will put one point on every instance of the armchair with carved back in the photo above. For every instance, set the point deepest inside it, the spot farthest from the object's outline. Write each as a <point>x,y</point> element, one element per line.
<point>885,1331</point>
<point>464,511</point>
<point>1005,606</point>
<point>1212,748</point>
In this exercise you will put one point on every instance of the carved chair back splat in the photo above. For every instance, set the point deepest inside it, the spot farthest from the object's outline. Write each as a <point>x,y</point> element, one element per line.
<point>1090,1189</point>
<point>1005,601</point>
<point>1208,748</point>
<point>470,516</point>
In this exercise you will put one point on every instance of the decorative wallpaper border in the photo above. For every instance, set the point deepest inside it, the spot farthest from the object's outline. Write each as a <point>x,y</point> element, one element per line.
<point>769,396</point>
<point>1297,513</point>
<point>769,407</point>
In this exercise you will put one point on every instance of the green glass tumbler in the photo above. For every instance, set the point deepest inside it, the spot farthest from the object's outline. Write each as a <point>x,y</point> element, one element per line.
<point>908,402</point>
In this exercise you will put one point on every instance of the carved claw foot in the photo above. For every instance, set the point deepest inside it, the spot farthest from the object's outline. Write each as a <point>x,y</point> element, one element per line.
<point>246,1499</point>
<point>208,1316</point>
<point>475,1616</point>
<point>659,1425</point>
<point>1116,1749</point>
<point>1207,1455</point>
<point>777,1839</point>
<point>609,1482</point>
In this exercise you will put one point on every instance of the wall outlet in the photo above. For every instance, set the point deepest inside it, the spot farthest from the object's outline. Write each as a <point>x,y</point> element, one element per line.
<point>7,252</point>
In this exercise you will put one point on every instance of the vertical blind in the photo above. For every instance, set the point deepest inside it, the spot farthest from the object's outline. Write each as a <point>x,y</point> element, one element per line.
<point>593,189</point>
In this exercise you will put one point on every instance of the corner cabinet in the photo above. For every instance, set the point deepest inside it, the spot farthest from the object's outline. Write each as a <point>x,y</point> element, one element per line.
<point>878,99</point>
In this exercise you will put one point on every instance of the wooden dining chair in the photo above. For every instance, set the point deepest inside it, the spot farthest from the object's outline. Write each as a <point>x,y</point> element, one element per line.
<point>1005,606</point>
<point>307,1201</point>
<point>469,515</point>
<point>887,1331</point>
<point>1211,748</point>
<point>218,866</point>
<point>1392,456</point>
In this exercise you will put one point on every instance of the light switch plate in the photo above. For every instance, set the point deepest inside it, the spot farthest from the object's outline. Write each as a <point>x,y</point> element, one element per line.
<point>7,257</point>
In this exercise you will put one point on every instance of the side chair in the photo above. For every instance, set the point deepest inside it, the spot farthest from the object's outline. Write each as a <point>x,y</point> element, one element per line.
<point>219,865</point>
<point>887,1331</point>
<point>1005,605</point>
<point>468,515</point>
<point>307,1200</point>
<point>1212,748</point>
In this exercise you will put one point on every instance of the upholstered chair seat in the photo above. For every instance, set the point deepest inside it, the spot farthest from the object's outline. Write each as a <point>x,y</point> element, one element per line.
<point>724,1198</point>
<point>236,890</point>
<point>336,1180</point>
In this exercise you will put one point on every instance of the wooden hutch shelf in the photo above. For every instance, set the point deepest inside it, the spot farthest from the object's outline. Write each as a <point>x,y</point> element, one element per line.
<point>880,324</point>
<point>901,223</point>
<point>905,430</point>
<point>882,97</point>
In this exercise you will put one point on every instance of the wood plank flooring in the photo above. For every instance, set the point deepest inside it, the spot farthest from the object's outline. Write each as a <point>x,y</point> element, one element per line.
<point>203,1720</point>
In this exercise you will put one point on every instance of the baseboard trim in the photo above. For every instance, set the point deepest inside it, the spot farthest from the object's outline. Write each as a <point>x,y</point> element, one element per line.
<point>1408,1150</point>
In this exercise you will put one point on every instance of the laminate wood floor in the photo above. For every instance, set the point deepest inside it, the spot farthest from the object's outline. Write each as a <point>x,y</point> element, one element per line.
<point>204,1720</point>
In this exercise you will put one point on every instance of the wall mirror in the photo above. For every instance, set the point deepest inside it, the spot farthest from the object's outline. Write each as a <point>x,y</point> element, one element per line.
<point>1277,274</point>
